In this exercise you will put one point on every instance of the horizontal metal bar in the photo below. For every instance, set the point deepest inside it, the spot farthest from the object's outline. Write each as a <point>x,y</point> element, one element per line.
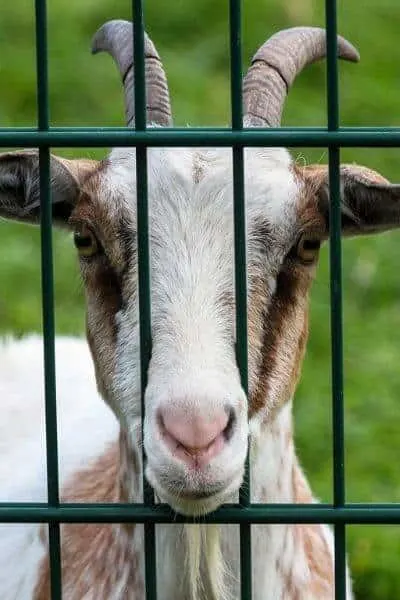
<point>384,514</point>
<point>258,130</point>
<point>204,129</point>
<point>312,137</point>
<point>177,128</point>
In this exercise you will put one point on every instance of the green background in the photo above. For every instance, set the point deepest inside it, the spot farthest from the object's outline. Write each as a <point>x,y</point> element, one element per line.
<point>192,37</point>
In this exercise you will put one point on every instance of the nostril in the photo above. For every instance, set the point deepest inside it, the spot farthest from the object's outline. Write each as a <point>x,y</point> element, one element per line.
<point>228,431</point>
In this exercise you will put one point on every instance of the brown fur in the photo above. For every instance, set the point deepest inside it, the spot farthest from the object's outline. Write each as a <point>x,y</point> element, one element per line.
<point>316,175</point>
<point>310,538</point>
<point>284,338</point>
<point>284,322</point>
<point>81,169</point>
<point>310,546</point>
<point>104,275</point>
<point>278,329</point>
<point>96,558</point>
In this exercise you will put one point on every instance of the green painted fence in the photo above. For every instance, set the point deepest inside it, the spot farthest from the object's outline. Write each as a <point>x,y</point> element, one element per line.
<point>339,513</point>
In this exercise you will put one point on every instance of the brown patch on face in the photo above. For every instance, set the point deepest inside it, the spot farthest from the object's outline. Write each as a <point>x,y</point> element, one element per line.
<point>284,336</point>
<point>96,558</point>
<point>103,301</point>
<point>256,315</point>
<point>104,275</point>
<point>281,328</point>
<point>105,214</point>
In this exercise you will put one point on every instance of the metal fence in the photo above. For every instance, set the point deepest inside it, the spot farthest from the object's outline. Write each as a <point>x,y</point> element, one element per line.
<point>339,513</point>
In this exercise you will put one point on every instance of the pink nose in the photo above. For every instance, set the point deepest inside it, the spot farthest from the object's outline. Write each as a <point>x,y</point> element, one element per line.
<point>193,438</point>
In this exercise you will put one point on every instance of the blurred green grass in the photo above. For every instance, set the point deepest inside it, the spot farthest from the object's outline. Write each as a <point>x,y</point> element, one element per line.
<point>192,37</point>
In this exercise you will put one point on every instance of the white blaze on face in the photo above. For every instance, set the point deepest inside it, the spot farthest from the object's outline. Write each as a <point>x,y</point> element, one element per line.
<point>193,366</point>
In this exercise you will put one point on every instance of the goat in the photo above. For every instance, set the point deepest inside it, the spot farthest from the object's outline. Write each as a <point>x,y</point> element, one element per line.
<point>198,422</point>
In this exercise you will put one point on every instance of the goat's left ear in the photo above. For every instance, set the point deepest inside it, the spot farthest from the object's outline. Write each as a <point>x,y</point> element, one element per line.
<point>369,203</point>
<point>20,185</point>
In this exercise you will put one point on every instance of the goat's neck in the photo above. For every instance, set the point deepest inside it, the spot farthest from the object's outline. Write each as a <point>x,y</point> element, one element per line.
<point>274,460</point>
<point>275,478</point>
<point>289,561</point>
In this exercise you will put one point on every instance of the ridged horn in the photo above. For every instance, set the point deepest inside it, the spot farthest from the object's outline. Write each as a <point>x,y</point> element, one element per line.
<point>275,66</point>
<point>116,38</point>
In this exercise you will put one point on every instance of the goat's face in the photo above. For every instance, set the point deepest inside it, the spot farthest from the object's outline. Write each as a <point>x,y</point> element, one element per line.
<point>197,417</point>
<point>196,426</point>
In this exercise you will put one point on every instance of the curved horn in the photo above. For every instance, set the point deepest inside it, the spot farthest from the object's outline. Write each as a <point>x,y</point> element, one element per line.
<point>116,38</point>
<point>275,66</point>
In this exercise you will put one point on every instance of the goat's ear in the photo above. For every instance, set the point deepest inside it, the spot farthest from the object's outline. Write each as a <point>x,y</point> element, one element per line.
<point>20,185</point>
<point>370,203</point>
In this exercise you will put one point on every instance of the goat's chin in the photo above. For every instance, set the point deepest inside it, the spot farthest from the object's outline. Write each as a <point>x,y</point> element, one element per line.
<point>195,505</point>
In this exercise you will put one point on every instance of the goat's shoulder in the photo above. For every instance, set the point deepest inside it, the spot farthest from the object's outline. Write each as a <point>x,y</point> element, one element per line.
<point>85,424</point>
<point>89,548</point>
<point>86,431</point>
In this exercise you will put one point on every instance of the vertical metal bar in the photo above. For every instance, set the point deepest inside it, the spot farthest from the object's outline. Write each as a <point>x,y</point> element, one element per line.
<point>48,299</point>
<point>240,272</point>
<point>336,301</point>
<point>143,273</point>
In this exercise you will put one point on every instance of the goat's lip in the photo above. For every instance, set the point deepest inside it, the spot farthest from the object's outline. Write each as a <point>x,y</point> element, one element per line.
<point>201,495</point>
<point>197,485</point>
<point>192,502</point>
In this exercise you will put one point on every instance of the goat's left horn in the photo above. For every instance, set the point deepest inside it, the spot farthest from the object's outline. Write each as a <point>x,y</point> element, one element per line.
<point>275,66</point>
<point>116,38</point>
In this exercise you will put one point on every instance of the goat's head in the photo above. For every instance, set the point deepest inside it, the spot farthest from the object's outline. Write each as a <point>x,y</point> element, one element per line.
<point>197,416</point>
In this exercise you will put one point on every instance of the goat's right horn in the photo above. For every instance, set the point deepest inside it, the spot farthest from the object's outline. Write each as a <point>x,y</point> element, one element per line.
<point>275,66</point>
<point>116,38</point>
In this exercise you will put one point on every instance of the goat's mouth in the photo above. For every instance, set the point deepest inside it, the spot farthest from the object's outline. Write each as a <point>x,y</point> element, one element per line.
<point>200,495</point>
<point>195,500</point>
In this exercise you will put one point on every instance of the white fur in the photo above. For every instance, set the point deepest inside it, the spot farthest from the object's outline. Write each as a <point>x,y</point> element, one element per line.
<point>85,427</point>
<point>192,366</point>
<point>191,230</point>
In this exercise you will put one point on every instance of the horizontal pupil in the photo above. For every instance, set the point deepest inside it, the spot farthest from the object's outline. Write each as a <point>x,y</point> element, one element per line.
<point>82,241</point>
<point>311,244</point>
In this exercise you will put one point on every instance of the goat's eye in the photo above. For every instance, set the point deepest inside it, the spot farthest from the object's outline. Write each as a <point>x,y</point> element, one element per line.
<point>307,248</point>
<point>86,242</point>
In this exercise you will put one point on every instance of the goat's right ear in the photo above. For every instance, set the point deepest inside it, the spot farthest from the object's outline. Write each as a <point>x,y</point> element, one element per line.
<point>20,185</point>
<point>369,203</point>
